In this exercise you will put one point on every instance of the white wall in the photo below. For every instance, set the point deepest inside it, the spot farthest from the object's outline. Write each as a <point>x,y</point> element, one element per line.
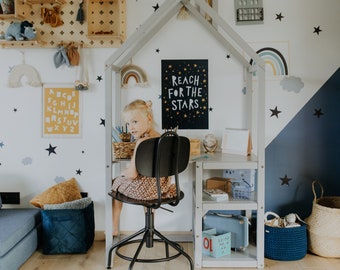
<point>311,57</point>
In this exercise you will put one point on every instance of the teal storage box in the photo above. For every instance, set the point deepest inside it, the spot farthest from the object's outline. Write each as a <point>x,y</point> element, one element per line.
<point>68,231</point>
<point>216,245</point>
<point>237,225</point>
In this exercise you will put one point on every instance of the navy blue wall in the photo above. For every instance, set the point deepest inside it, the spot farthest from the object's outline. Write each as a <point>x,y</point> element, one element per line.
<point>307,148</point>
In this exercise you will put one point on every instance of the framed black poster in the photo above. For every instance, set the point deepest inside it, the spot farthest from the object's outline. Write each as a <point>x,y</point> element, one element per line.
<point>185,94</point>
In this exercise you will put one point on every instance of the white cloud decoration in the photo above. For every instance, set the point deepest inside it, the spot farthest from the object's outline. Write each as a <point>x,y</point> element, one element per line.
<point>291,83</point>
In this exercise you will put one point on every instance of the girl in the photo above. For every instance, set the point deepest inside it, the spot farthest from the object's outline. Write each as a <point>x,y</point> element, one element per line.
<point>138,117</point>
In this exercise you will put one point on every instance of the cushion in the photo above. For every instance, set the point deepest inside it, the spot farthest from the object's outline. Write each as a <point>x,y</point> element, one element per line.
<point>15,224</point>
<point>63,192</point>
<point>76,204</point>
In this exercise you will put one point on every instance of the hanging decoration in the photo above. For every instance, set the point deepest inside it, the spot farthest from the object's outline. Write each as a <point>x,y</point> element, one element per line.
<point>133,71</point>
<point>52,16</point>
<point>82,75</point>
<point>60,57</point>
<point>19,71</point>
<point>80,13</point>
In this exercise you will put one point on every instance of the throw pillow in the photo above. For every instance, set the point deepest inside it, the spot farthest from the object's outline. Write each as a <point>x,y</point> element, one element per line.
<point>76,204</point>
<point>63,192</point>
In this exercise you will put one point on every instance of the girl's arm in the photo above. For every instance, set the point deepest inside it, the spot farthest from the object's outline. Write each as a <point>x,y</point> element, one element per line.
<point>131,171</point>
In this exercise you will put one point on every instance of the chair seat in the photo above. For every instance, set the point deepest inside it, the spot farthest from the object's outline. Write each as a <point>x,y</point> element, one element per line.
<point>147,203</point>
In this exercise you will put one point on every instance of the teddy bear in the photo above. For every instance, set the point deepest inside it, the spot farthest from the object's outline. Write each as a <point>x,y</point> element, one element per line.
<point>20,31</point>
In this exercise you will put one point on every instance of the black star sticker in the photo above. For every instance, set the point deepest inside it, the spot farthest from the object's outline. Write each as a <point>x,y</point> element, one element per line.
<point>210,109</point>
<point>79,172</point>
<point>317,30</point>
<point>157,50</point>
<point>99,78</point>
<point>102,122</point>
<point>285,180</point>
<point>51,149</point>
<point>318,113</point>
<point>228,56</point>
<point>279,16</point>
<point>156,7</point>
<point>15,110</point>
<point>275,112</point>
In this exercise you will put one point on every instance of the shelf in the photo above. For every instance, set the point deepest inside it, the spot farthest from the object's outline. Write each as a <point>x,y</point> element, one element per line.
<point>246,258</point>
<point>19,44</point>
<point>14,15</point>
<point>33,2</point>
<point>106,19</point>
<point>220,160</point>
<point>231,204</point>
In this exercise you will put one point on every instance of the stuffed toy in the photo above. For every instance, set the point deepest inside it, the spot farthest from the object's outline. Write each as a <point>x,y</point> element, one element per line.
<point>20,31</point>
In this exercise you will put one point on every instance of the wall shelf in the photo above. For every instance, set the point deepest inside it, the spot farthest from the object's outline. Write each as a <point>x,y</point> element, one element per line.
<point>104,25</point>
<point>33,2</point>
<point>14,15</point>
<point>21,44</point>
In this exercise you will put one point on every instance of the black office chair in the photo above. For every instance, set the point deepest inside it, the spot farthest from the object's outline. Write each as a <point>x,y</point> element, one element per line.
<point>167,155</point>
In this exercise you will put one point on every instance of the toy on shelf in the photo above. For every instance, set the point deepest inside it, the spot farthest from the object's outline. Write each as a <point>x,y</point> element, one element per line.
<point>20,31</point>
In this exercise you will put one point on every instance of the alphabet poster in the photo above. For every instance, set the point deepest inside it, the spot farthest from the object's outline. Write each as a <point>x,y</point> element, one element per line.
<point>185,94</point>
<point>61,111</point>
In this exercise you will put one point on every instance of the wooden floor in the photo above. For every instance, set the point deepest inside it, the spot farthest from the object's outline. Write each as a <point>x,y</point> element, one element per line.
<point>95,259</point>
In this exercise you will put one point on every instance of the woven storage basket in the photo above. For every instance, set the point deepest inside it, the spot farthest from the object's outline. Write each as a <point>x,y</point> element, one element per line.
<point>285,244</point>
<point>123,150</point>
<point>323,225</point>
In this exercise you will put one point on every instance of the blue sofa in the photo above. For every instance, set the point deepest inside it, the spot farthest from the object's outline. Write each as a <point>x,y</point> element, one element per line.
<point>20,231</point>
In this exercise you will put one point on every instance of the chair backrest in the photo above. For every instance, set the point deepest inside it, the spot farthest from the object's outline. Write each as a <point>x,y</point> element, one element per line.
<point>167,155</point>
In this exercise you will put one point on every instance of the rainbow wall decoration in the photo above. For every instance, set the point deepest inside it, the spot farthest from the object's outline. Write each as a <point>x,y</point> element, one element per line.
<point>274,60</point>
<point>132,71</point>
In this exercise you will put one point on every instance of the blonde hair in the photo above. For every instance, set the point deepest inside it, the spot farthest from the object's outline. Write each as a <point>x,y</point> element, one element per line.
<point>144,107</point>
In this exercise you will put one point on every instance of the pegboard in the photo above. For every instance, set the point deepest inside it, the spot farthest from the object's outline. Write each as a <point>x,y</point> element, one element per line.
<point>104,23</point>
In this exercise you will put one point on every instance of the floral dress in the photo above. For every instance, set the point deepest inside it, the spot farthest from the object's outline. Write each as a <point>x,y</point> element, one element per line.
<point>143,188</point>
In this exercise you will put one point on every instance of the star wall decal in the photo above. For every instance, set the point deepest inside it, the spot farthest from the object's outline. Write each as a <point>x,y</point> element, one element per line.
<point>156,7</point>
<point>275,112</point>
<point>228,56</point>
<point>102,122</point>
<point>51,149</point>
<point>279,16</point>
<point>317,30</point>
<point>157,50</point>
<point>15,110</point>
<point>285,180</point>
<point>10,68</point>
<point>318,113</point>
<point>2,144</point>
<point>210,109</point>
<point>99,78</point>
<point>78,172</point>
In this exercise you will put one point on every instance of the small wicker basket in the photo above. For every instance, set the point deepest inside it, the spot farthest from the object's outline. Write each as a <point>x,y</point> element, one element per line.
<point>123,150</point>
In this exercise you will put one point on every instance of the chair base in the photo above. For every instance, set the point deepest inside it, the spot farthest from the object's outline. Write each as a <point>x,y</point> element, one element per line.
<point>148,240</point>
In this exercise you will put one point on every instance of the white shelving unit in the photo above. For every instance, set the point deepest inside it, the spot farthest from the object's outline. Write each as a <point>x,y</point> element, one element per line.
<point>252,256</point>
<point>225,35</point>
